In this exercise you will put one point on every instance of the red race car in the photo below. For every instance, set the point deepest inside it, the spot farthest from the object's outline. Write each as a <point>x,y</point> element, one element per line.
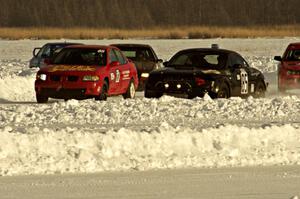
<point>289,68</point>
<point>87,71</point>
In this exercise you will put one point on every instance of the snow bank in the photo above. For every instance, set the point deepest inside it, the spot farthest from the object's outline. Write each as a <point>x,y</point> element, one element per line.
<point>47,151</point>
<point>16,81</point>
<point>117,112</point>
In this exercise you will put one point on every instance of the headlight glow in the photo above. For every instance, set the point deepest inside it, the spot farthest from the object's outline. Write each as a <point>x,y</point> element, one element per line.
<point>92,78</point>
<point>42,77</point>
<point>145,75</point>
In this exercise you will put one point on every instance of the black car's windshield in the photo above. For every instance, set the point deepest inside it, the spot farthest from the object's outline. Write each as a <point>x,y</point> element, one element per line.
<point>137,53</point>
<point>51,50</point>
<point>203,60</point>
<point>81,56</point>
<point>293,55</point>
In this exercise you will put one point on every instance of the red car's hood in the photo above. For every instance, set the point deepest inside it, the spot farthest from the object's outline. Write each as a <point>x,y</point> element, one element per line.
<point>68,68</point>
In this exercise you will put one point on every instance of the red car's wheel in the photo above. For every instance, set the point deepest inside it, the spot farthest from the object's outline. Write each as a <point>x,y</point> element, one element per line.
<point>104,92</point>
<point>130,93</point>
<point>41,99</point>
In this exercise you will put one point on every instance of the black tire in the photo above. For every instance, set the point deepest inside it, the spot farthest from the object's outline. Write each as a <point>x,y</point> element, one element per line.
<point>130,92</point>
<point>104,92</point>
<point>260,90</point>
<point>223,92</point>
<point>152,94</point>
<point>41,99</point>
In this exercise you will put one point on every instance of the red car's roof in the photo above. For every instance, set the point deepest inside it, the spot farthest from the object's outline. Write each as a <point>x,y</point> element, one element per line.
<point>91,46</point>
<point>295,45</point>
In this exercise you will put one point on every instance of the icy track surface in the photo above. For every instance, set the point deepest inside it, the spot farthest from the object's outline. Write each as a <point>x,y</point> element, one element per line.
<point>143,134</point>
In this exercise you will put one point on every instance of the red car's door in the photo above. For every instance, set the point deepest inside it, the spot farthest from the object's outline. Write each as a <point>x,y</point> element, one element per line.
<point>114,74</point>
<point>125,71</point>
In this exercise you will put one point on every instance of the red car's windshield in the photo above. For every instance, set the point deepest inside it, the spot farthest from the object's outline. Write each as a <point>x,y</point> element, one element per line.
<point>81,56</point>
<point>292,55</point>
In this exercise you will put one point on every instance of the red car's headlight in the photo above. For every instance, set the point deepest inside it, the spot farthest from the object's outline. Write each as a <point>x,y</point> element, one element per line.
<point>41,76</point>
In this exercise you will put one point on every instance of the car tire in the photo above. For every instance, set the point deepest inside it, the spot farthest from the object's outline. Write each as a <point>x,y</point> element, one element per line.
<point>152,94</point>
<point>104,92</point>
<point>260,90</point>
<point>41,99</point>
<point>130,92</point>
<point>223,92</point>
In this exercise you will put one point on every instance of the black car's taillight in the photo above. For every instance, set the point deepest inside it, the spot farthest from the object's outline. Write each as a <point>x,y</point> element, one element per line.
<point>199,81</point>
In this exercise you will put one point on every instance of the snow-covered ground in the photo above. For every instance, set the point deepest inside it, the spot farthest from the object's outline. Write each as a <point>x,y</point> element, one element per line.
<point>275,182</point>
<point>143,134</point>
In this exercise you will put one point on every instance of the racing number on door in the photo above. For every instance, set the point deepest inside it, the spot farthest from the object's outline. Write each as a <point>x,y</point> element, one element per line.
<point>244,81</point>
<point>118,76</point>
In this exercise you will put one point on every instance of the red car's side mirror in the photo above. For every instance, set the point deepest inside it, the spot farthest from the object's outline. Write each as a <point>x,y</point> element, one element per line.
<point>36,51</point>
<point>278,58</point>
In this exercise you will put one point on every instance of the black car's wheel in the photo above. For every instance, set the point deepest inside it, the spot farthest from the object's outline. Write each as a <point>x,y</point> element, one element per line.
<point>130,93</point>
<point>104,92</point>
<point>223,92</point>
<point>41,99</point>
<point>152,94</point>
<point>260,90</point>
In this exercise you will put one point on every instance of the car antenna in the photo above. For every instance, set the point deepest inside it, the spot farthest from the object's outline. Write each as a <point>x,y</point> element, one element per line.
<point>215,46</point>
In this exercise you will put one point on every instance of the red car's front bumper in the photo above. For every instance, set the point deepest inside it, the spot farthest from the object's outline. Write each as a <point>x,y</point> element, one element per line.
<point>67,90</point>
<point>288,81</point>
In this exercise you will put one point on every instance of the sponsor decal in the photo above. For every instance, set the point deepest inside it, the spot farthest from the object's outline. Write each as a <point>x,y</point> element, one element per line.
<point>71,68</point>
<point>126,74</point>
<point>211,72</point>
<point>101,51</point>
<point>255,74</point>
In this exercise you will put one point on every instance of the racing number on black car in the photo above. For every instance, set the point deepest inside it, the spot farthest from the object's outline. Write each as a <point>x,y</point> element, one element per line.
<point>244,81</point>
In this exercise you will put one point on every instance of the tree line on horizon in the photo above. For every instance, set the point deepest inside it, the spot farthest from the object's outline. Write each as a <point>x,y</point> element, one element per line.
<point>130,14</point>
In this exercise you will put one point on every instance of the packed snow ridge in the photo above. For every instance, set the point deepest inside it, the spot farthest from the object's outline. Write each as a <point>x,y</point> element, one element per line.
<point>47,151</point>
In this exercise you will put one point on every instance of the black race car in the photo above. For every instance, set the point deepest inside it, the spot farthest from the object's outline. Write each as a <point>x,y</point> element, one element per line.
<point>144,58</point>
<point>194,72</point>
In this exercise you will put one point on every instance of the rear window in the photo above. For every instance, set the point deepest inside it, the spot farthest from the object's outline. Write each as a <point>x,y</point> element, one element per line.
<point>130,54</point>
<point>293,55</point>
<point>138,53</point>
<point>78,56</point>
